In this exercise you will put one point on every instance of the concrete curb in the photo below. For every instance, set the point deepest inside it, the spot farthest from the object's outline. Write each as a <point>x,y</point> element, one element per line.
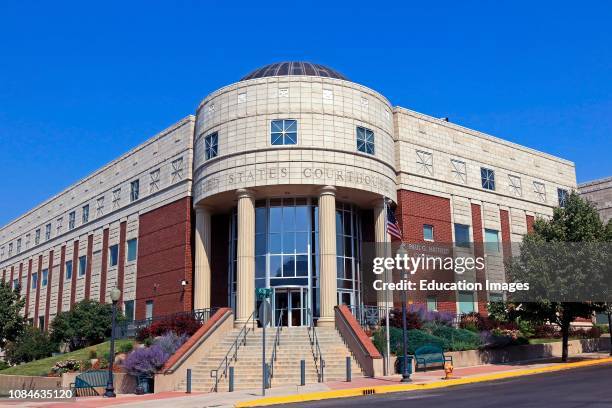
<point>383,389</point>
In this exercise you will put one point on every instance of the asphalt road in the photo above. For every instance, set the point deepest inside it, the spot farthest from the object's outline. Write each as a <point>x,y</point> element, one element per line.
<point>575,388</point>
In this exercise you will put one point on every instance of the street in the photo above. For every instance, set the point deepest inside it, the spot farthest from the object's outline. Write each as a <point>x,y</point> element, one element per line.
<point>588,387</point>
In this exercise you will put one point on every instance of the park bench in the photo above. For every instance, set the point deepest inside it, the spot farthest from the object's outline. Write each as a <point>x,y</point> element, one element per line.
<point>85,384</point>
<point>430,354</point>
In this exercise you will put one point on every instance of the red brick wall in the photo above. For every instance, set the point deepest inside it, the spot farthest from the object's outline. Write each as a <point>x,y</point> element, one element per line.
<point>28,284</point>
<point>104,267</point>
<point>505,233</point>
<point>481,276</point>
<point>60,290</point>
<point>40,258</point>
<point>164,259</point>
<point>219,248</point>
<point>121,261</point>
<point>88,266</point>
<point>413,211</point>
<point>530,221</point>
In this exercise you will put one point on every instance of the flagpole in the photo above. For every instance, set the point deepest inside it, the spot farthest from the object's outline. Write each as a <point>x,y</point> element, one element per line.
<point>388,340</point>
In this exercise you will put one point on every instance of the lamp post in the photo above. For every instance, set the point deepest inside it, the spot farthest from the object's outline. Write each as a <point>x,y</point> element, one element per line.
<point>405,371</point>
<point>115,294</point>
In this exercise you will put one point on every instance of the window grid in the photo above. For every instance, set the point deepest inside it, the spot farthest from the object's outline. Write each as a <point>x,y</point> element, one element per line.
<point>365,140</point>
<point>562,195</point>
<point>458,170</point>
<point>515,185</point>
<point>283,132</point>
<point>540,190</point>
<point>134,190</point>
<point>211,146</point>
<point>487,177</point>
<point>424,163</point>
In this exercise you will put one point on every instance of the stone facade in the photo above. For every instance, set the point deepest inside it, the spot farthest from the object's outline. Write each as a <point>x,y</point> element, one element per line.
<point>599,192</point>
<point>428,167</point>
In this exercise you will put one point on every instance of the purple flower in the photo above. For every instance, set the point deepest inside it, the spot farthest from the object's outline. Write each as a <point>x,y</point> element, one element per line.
<point>146,361</point>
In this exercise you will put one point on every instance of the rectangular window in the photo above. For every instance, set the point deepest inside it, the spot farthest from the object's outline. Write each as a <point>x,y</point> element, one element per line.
<point>10,249</point>
<point>149,309</point>
<point>116,199</point>
<point>134,190</point>
<point>428,232</point>
<point>211,146</point>
<point>2,253</point>
<point>37,237</point>
<point>563,195</point>
<point>432,303</point>
<point>462,235</point>
<point>113,255</point>
<point>459,171</point>
<point>45,277</point>
<point>365,140</point>
<point>15,283</point>
<point>540,190</point>
<point>85,217</point>
<point>34,280</point>
<point>82,265</point>
<point>58,226</point>
<point>100,206</point>
<point>132,247</point>
<point>487,177</point>
<point>128,309</point>
<point>492,240</point>
<point>466,302</point>
<point>47,232</point>
<point>496,297</point>
<point>27,243</point>
<point>424,163</point>
<point>41,322</point>
<point>68,271</point>
<point>19,245</point>
<point>283,132</point>
<point>515,185</point>
<point>71,220</point>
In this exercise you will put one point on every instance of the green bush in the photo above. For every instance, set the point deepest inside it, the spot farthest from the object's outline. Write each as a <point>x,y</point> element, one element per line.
<point>86,324</point>
<point>457,339</point>
<point>416,339</point>
<point>33,344</point>
<point>4,365</point>
<point>126,347</point>
<point>93,354</point>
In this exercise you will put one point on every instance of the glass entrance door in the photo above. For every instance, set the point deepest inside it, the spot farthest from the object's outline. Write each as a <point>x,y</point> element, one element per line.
<point>292,303</point>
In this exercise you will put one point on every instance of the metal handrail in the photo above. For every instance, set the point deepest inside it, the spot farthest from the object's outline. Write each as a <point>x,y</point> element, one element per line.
<point>279,328</point>
<point>227,360</point>
<point>130,328</point>
<point>315,348</point>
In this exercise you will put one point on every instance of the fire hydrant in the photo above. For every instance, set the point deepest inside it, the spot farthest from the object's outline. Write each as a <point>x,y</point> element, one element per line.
<point>448,370</point>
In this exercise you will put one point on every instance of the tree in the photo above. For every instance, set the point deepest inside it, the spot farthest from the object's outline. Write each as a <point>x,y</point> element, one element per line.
<point>87,323</point>
<point>11,322</point>
<point>32,344</point>
<point>567,262</point>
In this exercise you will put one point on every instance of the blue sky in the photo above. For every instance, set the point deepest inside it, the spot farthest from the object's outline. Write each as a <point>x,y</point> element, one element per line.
<point>82,83</point>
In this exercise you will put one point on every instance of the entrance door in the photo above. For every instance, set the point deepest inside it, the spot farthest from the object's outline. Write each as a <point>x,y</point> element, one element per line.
<point>292,303</point>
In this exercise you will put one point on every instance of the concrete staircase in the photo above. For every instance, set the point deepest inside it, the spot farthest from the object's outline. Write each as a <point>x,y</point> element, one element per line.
<point>294,346</point>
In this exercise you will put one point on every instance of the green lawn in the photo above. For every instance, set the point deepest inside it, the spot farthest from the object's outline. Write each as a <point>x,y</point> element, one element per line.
<point>43,366</point>
<point>540,341</point>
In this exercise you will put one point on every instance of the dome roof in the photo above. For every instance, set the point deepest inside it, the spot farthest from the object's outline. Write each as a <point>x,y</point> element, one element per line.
<point>294,68</point>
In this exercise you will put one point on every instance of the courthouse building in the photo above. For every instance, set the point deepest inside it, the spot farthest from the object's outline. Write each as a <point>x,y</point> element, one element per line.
<point>275,182</point>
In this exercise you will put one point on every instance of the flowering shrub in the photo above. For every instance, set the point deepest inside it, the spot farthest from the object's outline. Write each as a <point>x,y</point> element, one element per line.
<point>170,342</point>
<point>145,361</point>
<point>181,324</point>
<point>66,366</point>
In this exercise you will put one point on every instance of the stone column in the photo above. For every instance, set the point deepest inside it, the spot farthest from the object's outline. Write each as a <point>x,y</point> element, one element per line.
<point>201,276</point>
<point>327,252</point>
<point>383,249</point>
<point>245,288</point>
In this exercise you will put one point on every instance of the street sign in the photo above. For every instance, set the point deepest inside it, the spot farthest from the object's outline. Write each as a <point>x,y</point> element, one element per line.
<point>263,293</point>
<point>265,312</point>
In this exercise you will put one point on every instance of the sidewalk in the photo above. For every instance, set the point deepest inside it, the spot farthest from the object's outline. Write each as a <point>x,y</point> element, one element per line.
<point>332,389</point>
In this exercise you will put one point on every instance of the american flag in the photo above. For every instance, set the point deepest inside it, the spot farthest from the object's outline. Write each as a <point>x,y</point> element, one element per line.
<point>393,228</point>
